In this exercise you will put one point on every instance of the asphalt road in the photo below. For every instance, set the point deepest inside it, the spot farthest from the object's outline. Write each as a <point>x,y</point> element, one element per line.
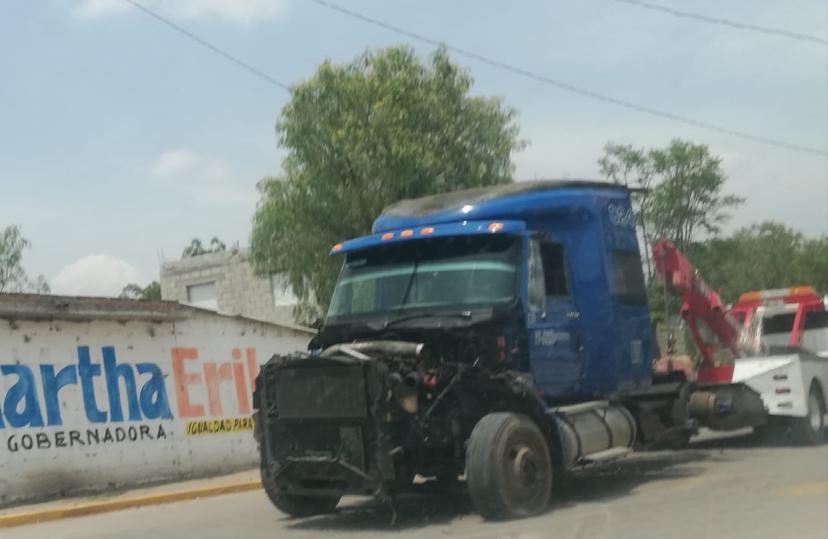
<point>723,488</point>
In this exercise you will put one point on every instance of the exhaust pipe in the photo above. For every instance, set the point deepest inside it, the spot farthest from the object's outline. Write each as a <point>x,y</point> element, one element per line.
<point>364,349</point>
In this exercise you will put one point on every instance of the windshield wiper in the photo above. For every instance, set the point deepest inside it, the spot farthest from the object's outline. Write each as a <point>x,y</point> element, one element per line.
<point>408,287</point>
<point>465,315</point>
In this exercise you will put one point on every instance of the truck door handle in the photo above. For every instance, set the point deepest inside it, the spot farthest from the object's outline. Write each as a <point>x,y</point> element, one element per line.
<point>573,315</point>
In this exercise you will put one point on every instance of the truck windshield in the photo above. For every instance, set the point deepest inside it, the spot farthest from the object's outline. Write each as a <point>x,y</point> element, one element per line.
<point>435,273</point>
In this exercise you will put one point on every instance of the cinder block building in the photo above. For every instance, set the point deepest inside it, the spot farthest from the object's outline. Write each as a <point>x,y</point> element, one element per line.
<point>226,283</point>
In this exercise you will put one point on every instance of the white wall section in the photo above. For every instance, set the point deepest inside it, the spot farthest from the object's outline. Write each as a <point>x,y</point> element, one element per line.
<point>95,402</point>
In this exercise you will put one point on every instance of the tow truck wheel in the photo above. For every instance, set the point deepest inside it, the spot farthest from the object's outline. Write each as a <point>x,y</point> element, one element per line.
<point>292,505</point>
<point>508,467</point>
<point>810,429</point>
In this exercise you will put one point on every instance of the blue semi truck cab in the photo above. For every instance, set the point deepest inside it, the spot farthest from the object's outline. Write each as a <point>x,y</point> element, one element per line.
<point>499,333</point>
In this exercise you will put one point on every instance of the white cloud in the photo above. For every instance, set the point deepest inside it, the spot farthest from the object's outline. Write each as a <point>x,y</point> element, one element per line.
<point>95,275</point>
<point>176,162</point>
<point>239,11</point>
<point>243,12</point>
<point>92,9</point>
<point>205,178</point>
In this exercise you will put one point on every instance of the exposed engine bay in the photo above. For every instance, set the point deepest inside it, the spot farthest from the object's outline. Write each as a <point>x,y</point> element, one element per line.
<point>365,417</point>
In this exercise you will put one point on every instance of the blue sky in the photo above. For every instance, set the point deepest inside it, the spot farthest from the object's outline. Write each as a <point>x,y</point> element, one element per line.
<point>120,139</point>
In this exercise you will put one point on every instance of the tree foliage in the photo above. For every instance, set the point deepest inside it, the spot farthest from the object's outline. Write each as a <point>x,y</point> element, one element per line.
<point>197,248</point>
<point>150,292</point>
<point>762,256</point>
<point>359,136</point>
<point>13,277</point>
<point>681,195</point>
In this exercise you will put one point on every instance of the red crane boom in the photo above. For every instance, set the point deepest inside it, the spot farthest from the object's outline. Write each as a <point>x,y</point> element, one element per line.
<point>701,302</point>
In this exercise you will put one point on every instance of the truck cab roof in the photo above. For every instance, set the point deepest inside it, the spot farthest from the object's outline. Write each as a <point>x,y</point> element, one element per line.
<point>521,201</point>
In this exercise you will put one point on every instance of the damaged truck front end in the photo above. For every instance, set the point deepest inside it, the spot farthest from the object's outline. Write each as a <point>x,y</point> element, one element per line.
<point>336,424</point>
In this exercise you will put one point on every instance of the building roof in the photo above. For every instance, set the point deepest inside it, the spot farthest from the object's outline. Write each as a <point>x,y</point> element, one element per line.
<point>204,261</point>
<point>49,307</point>
<point>43,306</point>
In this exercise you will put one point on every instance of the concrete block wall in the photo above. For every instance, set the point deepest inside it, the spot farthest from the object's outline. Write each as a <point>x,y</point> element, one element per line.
<point>239,290</point>
<point>103,402</point>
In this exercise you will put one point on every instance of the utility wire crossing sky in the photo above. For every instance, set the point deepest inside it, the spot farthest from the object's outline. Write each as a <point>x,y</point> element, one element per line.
<point>590,94</point>
<point>727,22</point>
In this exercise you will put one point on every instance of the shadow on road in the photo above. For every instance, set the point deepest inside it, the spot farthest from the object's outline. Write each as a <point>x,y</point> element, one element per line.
<point>612,480</point>
<point>428,505</point>
<point>771,438</point>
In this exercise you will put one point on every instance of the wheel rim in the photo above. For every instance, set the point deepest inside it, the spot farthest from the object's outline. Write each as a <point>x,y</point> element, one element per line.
<point>814,413</point>
<point>524,466</point>
<point>527,477</point>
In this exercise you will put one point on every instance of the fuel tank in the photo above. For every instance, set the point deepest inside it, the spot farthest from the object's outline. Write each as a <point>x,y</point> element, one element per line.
<point>594,431</point>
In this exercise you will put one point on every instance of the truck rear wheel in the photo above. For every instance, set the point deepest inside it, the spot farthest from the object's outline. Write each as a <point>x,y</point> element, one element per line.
<point>810,430</point>
<point>293,505</point>
<point>508,467</point>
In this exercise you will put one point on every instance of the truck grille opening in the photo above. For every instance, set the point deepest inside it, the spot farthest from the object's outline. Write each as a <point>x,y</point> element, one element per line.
<point>321,393</point>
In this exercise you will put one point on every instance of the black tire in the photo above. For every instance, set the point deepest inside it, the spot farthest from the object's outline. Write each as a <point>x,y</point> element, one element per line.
<point>292,505</point>
<point>810,430</point>
<point>508,467</point>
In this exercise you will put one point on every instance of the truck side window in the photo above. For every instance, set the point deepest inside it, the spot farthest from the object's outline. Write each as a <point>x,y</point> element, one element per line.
<point>554,269</point>
<point>628,278</point>
<point>816,320</point>
<point>536,293</point>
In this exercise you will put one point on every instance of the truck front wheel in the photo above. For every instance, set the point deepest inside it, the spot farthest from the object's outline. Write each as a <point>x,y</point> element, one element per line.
<point>508,467</point>
<point>293,505</point>
<point>810,430</point>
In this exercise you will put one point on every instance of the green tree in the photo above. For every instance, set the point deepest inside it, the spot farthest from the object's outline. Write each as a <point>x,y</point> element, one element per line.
<point>359,136</point>
<point>13,277</point>
<point>681,191</point>
<point>813,263</point>
<point>687,199</point>
<point>761,256</point>
<point>150,292</point>
<point>197,248</point>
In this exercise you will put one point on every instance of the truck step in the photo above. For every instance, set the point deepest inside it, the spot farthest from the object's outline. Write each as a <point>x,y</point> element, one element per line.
<point>579,408</point>
<point>607,454</point>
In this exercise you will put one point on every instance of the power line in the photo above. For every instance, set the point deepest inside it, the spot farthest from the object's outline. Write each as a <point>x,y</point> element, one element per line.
<point>728,22</point>
<point>207,44</point>
<point>584,92</point>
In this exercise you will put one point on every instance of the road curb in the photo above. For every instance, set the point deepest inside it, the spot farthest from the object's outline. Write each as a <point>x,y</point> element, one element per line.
<point>105,506</point>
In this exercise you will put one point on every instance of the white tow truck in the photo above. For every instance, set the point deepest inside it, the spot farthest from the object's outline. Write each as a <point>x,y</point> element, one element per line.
<point>776,376</point>
<point>788,328</point>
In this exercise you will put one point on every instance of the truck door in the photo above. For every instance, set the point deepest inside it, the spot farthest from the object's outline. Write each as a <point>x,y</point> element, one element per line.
<point>552,321</point>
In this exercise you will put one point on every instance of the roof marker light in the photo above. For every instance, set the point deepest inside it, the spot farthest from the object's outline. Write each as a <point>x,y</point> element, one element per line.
<point>801,291</point>
<point>777,293</point>
<point>406,233</point>
<point>495,227</point>
<point>388,235</point>
<point>427,230</point>
<point>750,296</point>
